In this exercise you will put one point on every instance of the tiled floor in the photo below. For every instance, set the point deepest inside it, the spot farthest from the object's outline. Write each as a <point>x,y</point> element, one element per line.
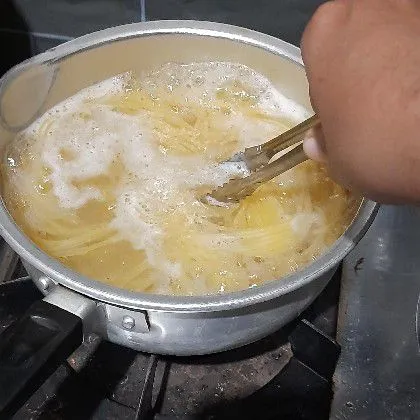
<point>28,27</point>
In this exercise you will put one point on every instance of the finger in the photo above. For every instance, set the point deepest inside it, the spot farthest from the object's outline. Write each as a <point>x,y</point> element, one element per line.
<point>314,146</point>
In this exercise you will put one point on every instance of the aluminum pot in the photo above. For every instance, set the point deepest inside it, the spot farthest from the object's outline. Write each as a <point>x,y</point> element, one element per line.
<point>147,322</point>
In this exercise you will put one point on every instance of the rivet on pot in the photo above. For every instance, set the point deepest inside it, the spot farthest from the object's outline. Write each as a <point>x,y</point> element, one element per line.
<point>128,322</point>
<point>45,284</point>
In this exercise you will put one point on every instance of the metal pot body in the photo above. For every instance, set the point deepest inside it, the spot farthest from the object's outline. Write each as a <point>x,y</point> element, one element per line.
<point>163,324</point>
<point>184,333</point>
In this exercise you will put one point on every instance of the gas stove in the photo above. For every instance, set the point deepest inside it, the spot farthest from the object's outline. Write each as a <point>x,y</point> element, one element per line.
<point>289,373</point>
<point>353,354</point>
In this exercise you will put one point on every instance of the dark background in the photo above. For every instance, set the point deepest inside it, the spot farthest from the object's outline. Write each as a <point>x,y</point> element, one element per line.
<point>28,27</point>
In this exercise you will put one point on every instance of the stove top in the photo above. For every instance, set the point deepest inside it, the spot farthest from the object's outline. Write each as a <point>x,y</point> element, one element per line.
<point>287,375</point>
<point>370,307</point>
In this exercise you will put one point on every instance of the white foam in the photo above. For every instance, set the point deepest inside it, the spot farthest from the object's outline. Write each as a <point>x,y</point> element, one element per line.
<point>303,223</point>
<point>200,82</point>
<point>155,183</point>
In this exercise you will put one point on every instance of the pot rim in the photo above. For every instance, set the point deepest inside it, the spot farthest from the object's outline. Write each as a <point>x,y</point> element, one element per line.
<point>137,300</point>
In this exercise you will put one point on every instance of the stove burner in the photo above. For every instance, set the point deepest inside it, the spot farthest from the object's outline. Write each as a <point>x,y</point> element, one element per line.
<point>302,389</point>
<point>287,375</point>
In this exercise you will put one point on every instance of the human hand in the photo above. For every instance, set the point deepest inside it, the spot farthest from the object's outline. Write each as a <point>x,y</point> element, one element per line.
<point>362,59</point>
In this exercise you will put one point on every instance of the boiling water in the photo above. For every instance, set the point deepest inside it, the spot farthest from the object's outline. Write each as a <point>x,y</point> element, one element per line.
<point>108,182</point>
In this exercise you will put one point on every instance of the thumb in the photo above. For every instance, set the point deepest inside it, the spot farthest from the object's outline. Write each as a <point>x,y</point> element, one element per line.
<point>314,145</point>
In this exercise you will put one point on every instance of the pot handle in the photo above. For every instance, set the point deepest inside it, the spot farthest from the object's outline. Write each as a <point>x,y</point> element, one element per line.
<point>32,348</point>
